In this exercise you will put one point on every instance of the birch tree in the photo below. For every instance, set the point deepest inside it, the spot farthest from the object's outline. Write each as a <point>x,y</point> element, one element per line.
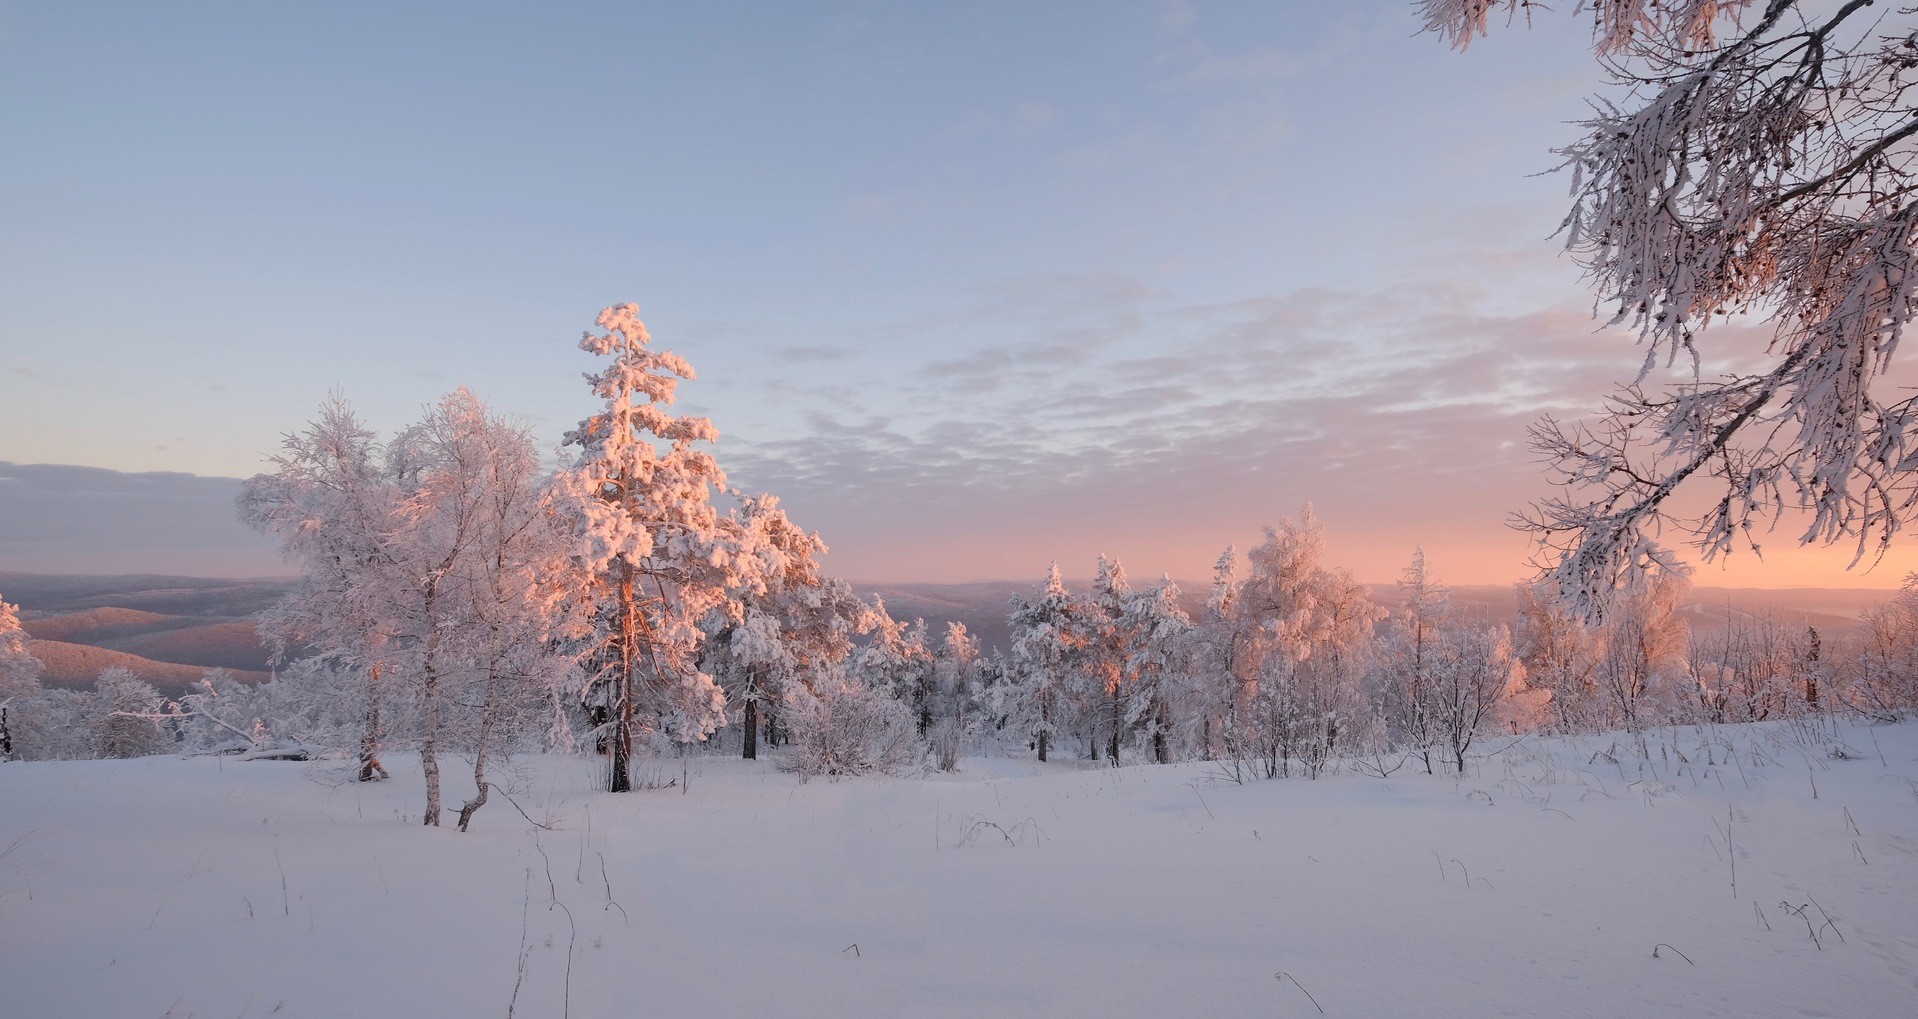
<point>330,503</point>
<point>1759,160</point>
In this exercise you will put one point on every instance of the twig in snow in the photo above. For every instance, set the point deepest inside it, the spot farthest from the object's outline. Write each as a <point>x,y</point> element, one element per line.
<point>1282,976</point>
<point>1828,921</point>
<point>1681,955</point>
<point>853,948</point>
<point>610,904</point>
<point>552,890</point>
<point>1468,875</point>
<point>566,1003</point>
<point>522,812</point>
<point>286,904</point>
<point>1194,786</point>
<point>524,952</point>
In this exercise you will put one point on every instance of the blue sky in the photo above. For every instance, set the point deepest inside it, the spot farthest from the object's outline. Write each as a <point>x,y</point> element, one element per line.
<point>971,286</point>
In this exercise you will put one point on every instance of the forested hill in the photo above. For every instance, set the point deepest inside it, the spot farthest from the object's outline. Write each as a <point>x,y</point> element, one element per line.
<point>166,630</point>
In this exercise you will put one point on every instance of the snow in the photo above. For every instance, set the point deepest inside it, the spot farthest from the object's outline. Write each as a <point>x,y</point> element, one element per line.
<point>1537,884</point>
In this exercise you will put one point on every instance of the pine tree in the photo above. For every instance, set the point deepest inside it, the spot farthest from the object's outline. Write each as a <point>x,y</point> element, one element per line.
<point>1047,636</point>
<point>1158,636</point>
<point>638,500</point>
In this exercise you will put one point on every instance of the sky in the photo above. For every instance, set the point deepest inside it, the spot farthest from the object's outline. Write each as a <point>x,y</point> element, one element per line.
<point>970,287</point>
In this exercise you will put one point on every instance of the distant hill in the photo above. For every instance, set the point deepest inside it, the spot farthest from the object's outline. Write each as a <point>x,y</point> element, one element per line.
<point>77,666</point>
<point>96,626</point>
<point>167,630</point>
<point>48,594</point>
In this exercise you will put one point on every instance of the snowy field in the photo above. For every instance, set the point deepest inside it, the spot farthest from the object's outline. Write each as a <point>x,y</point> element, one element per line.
<point>1540,884</point>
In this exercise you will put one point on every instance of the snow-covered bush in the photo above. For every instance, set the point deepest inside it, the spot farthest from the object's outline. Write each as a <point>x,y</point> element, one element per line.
<point>120,716</point>
<point>51,725</point>
<point>848,728</point>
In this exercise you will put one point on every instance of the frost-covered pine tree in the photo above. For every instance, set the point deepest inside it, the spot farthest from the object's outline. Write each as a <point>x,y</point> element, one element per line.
<point>784,626</point>
<point>897,661</point>
<point>19,674</point>
<point>1158,637</point>
<point>1107,686</point>
<point>638,500</point>
<point>955,675</point>
<point>1747,158</point>
<point>1047,637</point>
<point>1216,646</point>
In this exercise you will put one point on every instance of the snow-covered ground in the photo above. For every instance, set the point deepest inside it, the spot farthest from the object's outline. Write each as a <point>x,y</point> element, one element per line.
<point>1540,884</point>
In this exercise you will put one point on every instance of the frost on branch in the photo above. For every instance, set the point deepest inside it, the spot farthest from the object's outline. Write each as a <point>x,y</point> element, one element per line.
<point>1760,162</point>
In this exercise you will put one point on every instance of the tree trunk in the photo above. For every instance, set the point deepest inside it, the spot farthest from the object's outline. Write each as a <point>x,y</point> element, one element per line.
<point>471,807</point>
<point>6,736</point>
<point>489,718</point>
<point>430,720</point>
<point>1118,720</point>
<point>750,725</point>
<point>1045,727</point>
<point>622,779</point>
<point>370,768</point>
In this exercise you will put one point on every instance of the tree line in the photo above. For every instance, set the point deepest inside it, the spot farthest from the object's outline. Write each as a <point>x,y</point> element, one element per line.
<point>459,600</point>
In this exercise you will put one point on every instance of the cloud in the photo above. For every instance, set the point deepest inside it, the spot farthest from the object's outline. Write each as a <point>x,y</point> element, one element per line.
<point>56,518</point>
<point>1106,418</point>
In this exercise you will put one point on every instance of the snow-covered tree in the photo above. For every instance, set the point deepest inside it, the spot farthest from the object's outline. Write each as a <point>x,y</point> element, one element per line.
<point>475,532</point>
<point>897,660</point>
<point>638,500</point>
<point>1883,678</point>
<point>1306,631</point>
<point>1471,672</point>
<point>1047,637</point>
<point>19,674</point>
<point>1405,665</point>
<point>1157,647</point>
<point>1561,653</point>
<point>955,675</point>
<point>330,503</point>
<point>784,626</point>
<point>1642,670</point>
<point>1106,687</point>
<point>1752,158</point>
<point>1752,669</point>
<point>428,566</point>
<point>1214,662</point>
